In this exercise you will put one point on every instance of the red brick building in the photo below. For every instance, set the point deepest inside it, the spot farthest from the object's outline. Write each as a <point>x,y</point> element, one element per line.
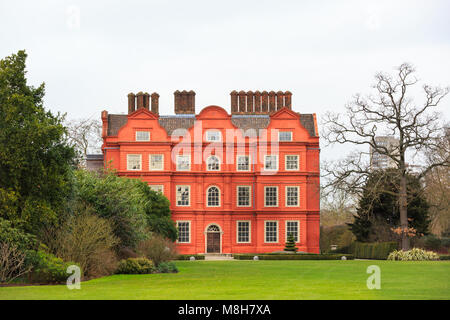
<point>238,182</point>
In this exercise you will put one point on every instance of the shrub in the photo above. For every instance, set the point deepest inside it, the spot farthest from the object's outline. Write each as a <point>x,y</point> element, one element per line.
<point>12,262</point>
<point>431,242</point>
<point>88,240</point>
<point>414,254</point>
<point>167,267</point>
<point>188,257</point>
<point>290,245</point>
<point>135,266</point>
<point>157,248</point>
<point>46,268</point>
<point>374,250</point>
<point>444,257</point>
<point>13,236</point>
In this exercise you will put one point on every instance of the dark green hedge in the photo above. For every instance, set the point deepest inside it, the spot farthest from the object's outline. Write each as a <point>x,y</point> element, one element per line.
<point>188,256</point>
<point>376,250</point>
<point>444,257</point>
<point>293,256</point>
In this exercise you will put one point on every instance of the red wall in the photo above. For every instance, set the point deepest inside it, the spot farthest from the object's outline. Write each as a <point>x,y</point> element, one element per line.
<point>116,148</point>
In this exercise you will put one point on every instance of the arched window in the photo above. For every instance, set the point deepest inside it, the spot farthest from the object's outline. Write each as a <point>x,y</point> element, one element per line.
<point>213,197</point>
<point>213,163</point>
<point>213,228</point>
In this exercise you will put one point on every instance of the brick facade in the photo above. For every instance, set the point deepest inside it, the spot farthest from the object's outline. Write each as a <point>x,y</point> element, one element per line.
<point>255,122</point>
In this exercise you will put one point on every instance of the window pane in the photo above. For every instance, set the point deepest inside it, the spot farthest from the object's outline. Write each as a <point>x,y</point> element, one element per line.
<point>243,163</point>
<point>213,136</point>
<point>183,231</point>
<point>243,231</point>
<point>156,162</point>
<point>142,136</point>
<point>292,229</point>
<point>213,163</point>
<point>271,196</point>
<point>244,196</point>
<point>285,136</point>
<point>157,188</point>
<point>270,162</point>
<point>271,231</point>
<point>134,162</point>
<point>182,195</point>
<point>292,162</point>
<point>292,196</point>
<point>213,197</point>
<point>183,163</point>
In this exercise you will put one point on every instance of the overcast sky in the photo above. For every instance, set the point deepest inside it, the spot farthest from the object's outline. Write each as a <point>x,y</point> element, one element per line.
<point>91,54</point>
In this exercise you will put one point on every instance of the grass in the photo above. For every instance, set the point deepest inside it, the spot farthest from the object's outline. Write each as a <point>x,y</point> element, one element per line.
<point>261,280</point>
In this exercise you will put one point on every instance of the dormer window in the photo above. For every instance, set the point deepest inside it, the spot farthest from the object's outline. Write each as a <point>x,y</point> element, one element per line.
<point>285,136</point>
<point>142,135</point>
<point>213,136</point>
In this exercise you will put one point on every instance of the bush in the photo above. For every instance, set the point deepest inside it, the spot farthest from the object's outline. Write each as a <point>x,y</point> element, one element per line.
<point>13,236</point>
<point>188,257</point>
<point>46,268</point>
<point>414,254</point>
<point>157,248</point>
<point>167,267</point>
<point>444,257</point>
<point>135,266</point>
<point>88,240</point>
<point>290,245</point>
<point>12,262</point>
<point>376,250</point>
<point>307,256</point>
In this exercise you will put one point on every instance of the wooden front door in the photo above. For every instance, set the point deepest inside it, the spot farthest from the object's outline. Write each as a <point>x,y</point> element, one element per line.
<point>213,242</point>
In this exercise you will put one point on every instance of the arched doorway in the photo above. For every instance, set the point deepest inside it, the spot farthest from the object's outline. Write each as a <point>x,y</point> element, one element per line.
<point>213,239</point>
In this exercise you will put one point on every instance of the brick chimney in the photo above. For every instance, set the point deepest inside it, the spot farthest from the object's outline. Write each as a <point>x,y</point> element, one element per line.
<point>155,102</point>
<point>184,102</point>
<point>259,102</point>
<point>131,103</point>
<point>140,100</point>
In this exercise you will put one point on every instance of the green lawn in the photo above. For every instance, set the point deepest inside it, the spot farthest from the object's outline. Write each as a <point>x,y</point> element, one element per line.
<point>261,280</point>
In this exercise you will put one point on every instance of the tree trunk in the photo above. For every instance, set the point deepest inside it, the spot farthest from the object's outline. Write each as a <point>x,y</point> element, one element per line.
<point>404,213</point>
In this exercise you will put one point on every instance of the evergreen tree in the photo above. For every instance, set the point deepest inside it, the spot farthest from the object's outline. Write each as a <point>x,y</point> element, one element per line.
<point>290,244</point>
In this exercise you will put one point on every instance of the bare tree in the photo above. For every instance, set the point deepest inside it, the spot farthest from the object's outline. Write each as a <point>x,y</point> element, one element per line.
<point>85,136</point>
<point>12,263</point>
<point>389,112</point>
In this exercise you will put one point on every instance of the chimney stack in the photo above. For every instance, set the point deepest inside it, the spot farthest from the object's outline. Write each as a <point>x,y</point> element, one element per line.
<point>155,102</point>
<point>184,102</point>
<point>131,103</point>
<point>259,102</point>
<point>140,100</point>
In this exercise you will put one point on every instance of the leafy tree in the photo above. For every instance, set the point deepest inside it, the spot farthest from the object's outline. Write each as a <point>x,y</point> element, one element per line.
<point>378,212</point>
<point>35,161</point>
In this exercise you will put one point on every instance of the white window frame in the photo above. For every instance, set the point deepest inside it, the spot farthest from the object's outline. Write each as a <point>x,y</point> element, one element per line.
<point>177,164</point>
<point>219,199</point>
<point>277,233</point>
<point>176,195</point>
<point>249,196</point>
<point>286,230</point>
<point>277,162</point>
<point>278,196</point>
<point>150,162</point>
<point>190,230</point>
<point>249,231</point>
<point>128,162</point>
<point>249,162</point>
<point>286,196</point>
<point>157,185</point>
<point>139,131</point>
<point>279,133</point>
<point>286,161</point>
<point>207,163</point>
<point>208,138</point>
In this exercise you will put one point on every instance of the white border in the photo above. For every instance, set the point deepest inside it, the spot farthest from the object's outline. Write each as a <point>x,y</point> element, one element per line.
<point>150,162</point>
<point>277,162</point>
<point>292,136</point>
<point>140,160</point>
<point>142,131</point>
<point>285,162</point>
<point>249,196</point>
<point>213,130</point>
<point>249,231</point>
<point>220,163</point>
<point>249,162</point>
<point>182,155</point>
<point>278,196</point>
<point>298,230</point>
<point>190,230</point>
<point>278,231</point>
<point>176,198</point>
<point>286,197</point>
<point>207,189</point>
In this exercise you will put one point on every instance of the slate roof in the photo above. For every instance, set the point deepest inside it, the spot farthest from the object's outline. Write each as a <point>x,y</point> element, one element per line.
<point>244,122</point>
